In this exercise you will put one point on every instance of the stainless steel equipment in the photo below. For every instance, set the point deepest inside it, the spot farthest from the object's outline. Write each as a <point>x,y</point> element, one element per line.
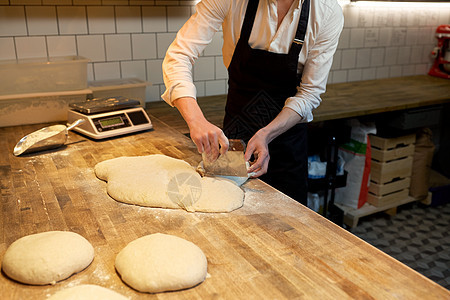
<point>232,163</point>
<point>44,139</point>
<point>109,117</point>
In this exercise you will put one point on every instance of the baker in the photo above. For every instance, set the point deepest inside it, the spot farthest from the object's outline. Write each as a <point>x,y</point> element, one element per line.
<point>278,54</point>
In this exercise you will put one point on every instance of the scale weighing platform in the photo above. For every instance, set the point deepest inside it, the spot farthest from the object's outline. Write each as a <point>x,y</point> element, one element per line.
<point>109,117</point>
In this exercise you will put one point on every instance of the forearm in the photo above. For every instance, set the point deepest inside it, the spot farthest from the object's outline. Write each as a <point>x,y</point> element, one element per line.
<point>258,144</point>
<point>189,110</point>
<point>208,137</point>
<point>285,120</point>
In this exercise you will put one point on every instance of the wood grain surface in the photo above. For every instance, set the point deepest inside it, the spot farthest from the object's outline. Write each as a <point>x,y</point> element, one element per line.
<point>341,100</point>
<point>271,248</point>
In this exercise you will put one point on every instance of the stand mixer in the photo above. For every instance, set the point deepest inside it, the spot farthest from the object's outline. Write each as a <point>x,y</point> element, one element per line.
<point>441,53</point>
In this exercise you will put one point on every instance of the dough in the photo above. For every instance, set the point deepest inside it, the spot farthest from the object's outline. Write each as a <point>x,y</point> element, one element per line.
<point>161,262</point>
<point>47,257</point>
<point>87,291</point>
<point>236,179</point>
<point>161,181</point>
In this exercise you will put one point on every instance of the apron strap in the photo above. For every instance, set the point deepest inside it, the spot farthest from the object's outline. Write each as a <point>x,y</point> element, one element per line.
<point>299,39</point>
<point>249,18</point>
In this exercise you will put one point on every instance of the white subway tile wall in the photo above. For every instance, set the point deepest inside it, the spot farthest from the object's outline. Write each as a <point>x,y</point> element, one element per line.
<point>118,47</point>
<point>133,68</point>
<point>129,38</point>
<point>61,45</point>
<point>41,20</point>
<point>144,45</point>
<point>107,70</point>
<point>128,19</point>
<point>32,46</point>
<point>92,47</point>
<point>71,19</point>
<point>386,41</point>
<point>101,19</point>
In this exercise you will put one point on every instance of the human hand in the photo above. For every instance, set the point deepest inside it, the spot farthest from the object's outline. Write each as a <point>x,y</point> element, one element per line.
<point>258,144</point>
<point>258,147</point>
<point>208,138</point>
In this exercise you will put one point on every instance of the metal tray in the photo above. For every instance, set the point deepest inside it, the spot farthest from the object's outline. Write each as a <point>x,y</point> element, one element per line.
<point>100,105</point>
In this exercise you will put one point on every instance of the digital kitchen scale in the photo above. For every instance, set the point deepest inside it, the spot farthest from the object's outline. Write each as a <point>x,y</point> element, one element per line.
<point>109,117</point>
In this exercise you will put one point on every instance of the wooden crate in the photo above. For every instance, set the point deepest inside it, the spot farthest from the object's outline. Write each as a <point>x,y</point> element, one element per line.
<point>394,197</point>
<point>381,189</point>
<point>391,143</point>
<point>386,149</point>
<point>391,168</point>
<point>393,153</point>
<point>383,172</point>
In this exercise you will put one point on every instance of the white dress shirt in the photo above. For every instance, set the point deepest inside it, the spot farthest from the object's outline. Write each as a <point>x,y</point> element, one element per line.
<point>322,35</point>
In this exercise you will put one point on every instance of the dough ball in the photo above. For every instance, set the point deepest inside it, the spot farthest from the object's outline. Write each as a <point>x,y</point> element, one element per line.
<point>161,262</point>
<point>165,182</point>
<point>87,291</point>
<point>47,257</point>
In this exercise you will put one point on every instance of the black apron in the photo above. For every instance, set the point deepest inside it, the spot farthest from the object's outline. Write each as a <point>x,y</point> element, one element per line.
<point>259,84</point>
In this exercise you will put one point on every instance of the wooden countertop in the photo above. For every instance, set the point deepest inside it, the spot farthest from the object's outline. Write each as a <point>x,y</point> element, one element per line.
<point>272,248</point>
<point>341,100</point>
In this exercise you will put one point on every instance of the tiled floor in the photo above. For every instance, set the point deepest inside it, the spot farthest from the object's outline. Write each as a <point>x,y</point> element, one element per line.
<point>418,236</point>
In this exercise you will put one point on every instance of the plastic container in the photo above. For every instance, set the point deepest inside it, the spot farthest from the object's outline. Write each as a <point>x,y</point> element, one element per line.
<point>441,195</point>
<point>34,108</point>
<point>36,75</point>
<point>416,118</point>
<point>132,88</point>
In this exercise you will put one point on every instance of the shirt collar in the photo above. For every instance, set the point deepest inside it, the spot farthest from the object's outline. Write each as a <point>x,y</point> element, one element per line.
<point>299,2</point>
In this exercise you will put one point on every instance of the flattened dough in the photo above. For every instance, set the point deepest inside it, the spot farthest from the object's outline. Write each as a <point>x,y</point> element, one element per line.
<point>47,257</point>
<point>87,291</point>
<point>161,262</point>
<point>161,181</point>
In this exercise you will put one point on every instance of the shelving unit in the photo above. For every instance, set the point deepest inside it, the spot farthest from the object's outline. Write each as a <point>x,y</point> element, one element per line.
<point>352,215</point>
<point>390,177</point>
<point>330,182</point>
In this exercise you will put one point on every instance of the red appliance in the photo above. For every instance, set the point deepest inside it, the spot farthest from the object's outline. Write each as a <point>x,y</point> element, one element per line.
<point>441,53</point>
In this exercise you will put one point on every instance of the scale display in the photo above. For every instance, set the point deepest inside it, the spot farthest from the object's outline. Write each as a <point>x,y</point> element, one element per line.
<point>109,121</point>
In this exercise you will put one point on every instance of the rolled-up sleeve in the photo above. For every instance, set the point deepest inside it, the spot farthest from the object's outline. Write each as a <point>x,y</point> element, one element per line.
<point>318,65</point>
<point>190,41</point>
